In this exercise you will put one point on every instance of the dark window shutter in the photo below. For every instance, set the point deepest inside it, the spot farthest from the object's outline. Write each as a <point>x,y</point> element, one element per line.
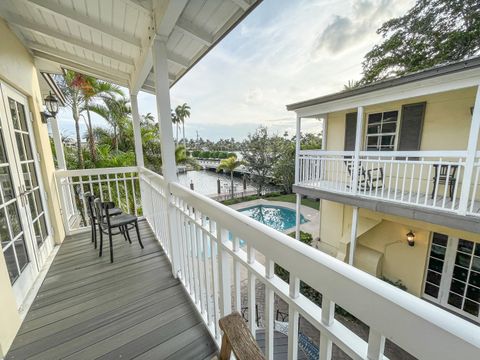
<point>350,130</point>
<point>411,126</point>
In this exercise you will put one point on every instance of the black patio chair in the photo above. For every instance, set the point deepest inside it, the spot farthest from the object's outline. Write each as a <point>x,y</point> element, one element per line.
<point>89,199</point>
<point>445,176</point>
<point>107,223</point>
<point>370,179</point>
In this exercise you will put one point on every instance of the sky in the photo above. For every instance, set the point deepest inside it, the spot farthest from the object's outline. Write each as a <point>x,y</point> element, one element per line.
<point>285,51</point>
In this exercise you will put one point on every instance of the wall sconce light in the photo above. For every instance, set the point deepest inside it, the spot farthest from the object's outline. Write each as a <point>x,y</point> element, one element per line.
<point>411,238</point>
<point>51,103</point>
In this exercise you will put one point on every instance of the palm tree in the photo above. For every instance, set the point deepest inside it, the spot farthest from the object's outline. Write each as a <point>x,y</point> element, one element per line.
<point>182,112</point>
<point>71,86</point>
<point>96,89</point>
<point>230,164</point>
<point>116,112</point>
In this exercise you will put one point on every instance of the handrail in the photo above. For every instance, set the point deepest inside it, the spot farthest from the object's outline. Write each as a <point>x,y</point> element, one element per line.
<point>413,154</point>
<point>390,311</point>
<point>96,171</point>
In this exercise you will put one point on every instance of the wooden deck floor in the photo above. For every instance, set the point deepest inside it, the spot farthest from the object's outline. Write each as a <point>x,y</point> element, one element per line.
<point>88,308</point>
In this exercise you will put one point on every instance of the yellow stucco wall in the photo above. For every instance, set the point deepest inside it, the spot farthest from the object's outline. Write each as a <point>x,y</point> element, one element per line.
<point>446,127</point>
<point>17,70</point>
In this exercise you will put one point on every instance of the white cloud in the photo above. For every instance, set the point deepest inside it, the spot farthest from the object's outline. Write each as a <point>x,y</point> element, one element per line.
<point>284,51</point>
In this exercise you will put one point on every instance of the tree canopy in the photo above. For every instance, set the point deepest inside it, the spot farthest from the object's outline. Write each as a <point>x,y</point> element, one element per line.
<point>432,32</point>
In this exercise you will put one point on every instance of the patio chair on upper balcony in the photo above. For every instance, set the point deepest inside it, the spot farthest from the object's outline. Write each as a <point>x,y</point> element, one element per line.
<point>445,175</point>
<point>368,180</point>
<point>107,223</point>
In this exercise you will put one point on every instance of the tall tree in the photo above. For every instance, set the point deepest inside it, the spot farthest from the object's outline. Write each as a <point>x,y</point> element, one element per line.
<point>432,32</point>
<point>182,112</point>
<point>260,151</point>
<point>71,85</point>
<point>95,89</point>
<point>116,112</point>
<point>230,164</point>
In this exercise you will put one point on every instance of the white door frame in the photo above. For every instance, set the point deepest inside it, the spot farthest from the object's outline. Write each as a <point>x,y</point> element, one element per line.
<point>37,255</point>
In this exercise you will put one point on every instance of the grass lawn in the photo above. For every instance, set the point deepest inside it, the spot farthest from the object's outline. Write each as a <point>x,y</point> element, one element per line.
<point>292,199</point>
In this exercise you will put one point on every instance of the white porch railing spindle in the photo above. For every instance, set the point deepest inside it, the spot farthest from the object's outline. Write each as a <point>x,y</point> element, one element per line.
<point>449,336</point>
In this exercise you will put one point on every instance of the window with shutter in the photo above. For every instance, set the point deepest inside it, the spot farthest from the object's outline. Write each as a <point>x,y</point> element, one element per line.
<point>411,127</point>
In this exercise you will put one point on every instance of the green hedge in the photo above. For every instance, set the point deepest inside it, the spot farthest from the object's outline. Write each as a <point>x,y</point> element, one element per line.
<point>212,154</point>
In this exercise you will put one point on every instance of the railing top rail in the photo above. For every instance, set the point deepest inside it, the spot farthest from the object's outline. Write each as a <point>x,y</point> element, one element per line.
<point>326,152</point>
<point>152,175</point>
<point>387,154</point>
<point>96,171</point>
<point>389,310</point>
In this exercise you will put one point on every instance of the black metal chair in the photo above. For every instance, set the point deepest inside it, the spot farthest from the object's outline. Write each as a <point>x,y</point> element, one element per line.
<point>370,179</point>
<point>89,199</point>
<point>107,222</point>
<point>446,175</point>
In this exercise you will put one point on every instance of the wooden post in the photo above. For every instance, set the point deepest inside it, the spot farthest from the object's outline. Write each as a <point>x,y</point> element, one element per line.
<point>57,140</point>
<point>358,147</point>
<point>471,153</point>
<point>353,235</point>
<point>162,92</point>
<point>137,134</point>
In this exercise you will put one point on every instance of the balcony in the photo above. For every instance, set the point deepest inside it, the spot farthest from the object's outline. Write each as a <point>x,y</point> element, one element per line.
<point>219,257</point>
<point>429,182</point>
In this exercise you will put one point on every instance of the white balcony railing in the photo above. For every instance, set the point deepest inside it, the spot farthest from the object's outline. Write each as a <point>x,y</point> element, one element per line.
<point>120,185</point>
<point>215,249</point>
<point>431,179</point>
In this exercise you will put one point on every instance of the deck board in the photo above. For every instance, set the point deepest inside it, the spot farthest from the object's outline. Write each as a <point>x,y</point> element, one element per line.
<point>88,308</point>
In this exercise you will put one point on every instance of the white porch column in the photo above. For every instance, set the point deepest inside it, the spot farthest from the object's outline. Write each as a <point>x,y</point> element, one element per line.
<point>162,91</point>
<point>353,235</point>
<point>358,147</point>
<point>297,176</point>
<point>471,152</point>
<point>137,134</point>
<point>57,140</point>
<point>324,147</point>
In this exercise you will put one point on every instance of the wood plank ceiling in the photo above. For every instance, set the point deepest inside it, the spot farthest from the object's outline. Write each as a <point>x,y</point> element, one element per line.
<point>110,39</point>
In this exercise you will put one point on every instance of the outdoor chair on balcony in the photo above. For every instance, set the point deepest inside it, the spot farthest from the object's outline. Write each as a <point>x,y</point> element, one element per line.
<point>446,176</point>
<point>368,180</point>
<point>89,199</point>
<point>108,223</point>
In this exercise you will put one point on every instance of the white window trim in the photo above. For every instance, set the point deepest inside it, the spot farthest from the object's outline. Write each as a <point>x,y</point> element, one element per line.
<point>447,275</point>
<point>397,130</point>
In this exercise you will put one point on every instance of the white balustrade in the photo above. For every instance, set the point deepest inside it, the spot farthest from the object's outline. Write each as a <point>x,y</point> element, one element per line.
<point>429,179</point>
<point>120,185</point>
<point>220,248</point>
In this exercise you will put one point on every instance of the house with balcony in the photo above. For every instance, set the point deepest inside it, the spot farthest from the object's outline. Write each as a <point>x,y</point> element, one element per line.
<point>164,300</point>
<point>398,176</point>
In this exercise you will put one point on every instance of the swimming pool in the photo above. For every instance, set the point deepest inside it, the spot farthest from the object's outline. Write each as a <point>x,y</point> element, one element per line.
<point>276,217</point>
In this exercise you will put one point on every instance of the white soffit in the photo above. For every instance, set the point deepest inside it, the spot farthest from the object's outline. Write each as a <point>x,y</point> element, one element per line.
<point>110,39</point>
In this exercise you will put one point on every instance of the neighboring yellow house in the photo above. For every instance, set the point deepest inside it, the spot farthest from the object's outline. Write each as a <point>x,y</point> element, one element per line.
<point>409,169</point>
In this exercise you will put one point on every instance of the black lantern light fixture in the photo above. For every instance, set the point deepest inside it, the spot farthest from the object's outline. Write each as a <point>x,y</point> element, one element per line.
<point>51,103</point>
<point>411,238</point>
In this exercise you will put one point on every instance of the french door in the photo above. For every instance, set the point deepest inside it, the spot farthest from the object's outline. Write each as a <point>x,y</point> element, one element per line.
<point>24,224</point>
<point>453,275</point>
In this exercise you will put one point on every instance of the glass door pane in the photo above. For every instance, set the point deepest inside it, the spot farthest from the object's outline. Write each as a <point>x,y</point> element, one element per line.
<point>11,229</point>
<point>28,171</point>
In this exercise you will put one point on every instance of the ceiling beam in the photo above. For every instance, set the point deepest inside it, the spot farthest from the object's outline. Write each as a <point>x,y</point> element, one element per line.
<point>46,31</point>
<point>194,31</point>
<point>97,73</point>
<point>145,6</point>
<point>167,14</point>
<point>242,3</point>
<point>72,15</point>
<point>177,59</point>
<point>73,59</point>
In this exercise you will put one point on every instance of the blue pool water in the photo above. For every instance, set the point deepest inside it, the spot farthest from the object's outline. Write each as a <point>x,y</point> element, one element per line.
<point>276,217</point>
